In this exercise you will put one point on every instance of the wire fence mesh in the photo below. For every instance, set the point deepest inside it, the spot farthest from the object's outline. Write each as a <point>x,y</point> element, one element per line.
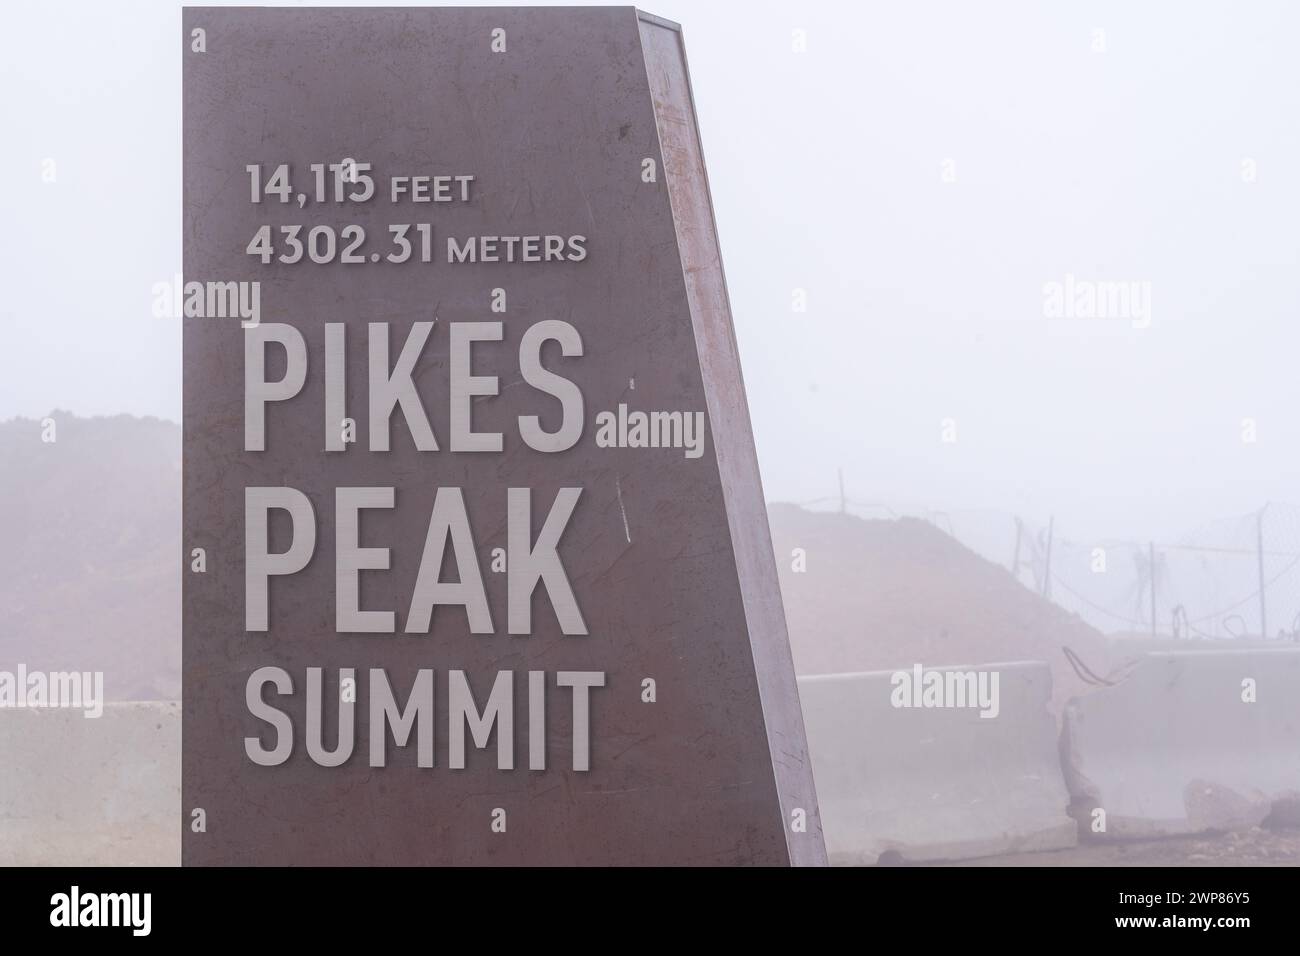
<point>1233,577</point>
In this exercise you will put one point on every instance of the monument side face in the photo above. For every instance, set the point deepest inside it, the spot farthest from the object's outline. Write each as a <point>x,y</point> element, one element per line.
<point>477,566</point>
<point>719,357</point>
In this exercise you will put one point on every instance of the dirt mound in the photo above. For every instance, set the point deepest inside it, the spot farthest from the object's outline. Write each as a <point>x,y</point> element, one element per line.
<point>879,595</point>
<point>91,562</point>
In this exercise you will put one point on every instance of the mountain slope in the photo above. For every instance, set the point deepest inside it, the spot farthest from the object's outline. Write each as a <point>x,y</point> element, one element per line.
<point>90,558</point>
<point>879,595</point>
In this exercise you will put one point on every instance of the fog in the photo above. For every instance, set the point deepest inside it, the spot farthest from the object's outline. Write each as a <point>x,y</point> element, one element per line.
<point>921,171</point>
<point>1025,270</point>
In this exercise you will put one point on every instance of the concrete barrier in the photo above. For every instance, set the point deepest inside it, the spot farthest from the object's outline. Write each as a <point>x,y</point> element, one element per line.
<point>1178,747</point>
<point>91,792</point>
<point>918,783</point>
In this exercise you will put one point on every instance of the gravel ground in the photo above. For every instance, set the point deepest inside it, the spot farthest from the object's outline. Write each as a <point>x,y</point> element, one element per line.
<point>1257,847</point>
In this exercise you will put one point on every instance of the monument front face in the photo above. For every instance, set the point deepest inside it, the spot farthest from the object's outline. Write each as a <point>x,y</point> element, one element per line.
<point>478,568</point>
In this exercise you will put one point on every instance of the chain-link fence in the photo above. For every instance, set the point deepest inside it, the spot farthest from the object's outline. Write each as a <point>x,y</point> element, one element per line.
<point>1233,577</point>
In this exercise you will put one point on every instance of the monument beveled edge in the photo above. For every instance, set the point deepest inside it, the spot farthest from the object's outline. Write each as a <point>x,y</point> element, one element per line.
<point>478,566</point>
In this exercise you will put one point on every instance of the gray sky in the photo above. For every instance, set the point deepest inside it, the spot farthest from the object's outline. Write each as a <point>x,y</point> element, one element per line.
<point>925,297</point>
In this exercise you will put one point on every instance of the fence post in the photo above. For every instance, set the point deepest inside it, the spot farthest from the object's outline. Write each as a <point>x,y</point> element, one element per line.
<point>1151,550</point>
<point>1015,557</point>
<point>1259,548</point>
<point>1047,570</point>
